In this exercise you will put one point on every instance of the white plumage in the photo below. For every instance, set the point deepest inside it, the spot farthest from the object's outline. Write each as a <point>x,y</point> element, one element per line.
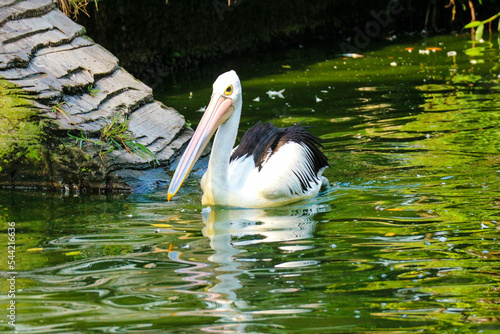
<point>270,167</point>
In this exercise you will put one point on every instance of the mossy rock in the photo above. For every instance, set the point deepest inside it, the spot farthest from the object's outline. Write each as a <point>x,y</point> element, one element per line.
<point>21,131</point>
<point>60,92</point>
<point>30,156</point>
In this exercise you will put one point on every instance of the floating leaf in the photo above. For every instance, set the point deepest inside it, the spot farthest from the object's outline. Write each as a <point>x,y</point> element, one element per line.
<point>72,253</point>
<point>465,78</point>
<point>390,234</point>
<point>475,52</point>
<point>161,225</point>
<point>35,249</point>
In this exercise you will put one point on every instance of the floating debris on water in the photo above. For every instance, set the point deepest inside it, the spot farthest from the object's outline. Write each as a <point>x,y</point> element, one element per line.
<point>351,55</point>
<point>273,93</point>
<point>72,253</point>
<point>161,225</point>
<point>257,99</point>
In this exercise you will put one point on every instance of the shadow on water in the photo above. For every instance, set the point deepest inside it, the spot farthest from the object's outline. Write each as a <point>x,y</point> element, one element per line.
<point>406,238</point>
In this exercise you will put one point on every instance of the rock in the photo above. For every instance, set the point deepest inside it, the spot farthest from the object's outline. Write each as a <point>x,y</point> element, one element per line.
<point>78,88</point>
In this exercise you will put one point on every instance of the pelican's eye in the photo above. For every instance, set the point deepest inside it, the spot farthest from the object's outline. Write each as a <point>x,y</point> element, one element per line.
<point>229,90</point>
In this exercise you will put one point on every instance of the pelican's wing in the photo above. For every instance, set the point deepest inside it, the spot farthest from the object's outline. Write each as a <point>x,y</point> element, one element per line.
<point>286,162</point>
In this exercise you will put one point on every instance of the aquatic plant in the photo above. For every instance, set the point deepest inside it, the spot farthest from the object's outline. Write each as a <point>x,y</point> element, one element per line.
<point>480,26</point>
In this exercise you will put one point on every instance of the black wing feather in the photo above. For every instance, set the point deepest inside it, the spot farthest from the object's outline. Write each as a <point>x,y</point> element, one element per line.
<point>263,140</point>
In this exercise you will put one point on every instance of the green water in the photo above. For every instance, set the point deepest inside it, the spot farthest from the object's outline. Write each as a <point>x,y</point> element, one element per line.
<point>405,240</point>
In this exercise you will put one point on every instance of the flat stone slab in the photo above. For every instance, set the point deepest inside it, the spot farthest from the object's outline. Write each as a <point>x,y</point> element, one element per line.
<point>80,86</point>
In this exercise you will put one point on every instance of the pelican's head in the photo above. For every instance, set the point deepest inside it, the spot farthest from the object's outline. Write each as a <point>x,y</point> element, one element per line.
<point>226,98</point>
<point>228,85</point>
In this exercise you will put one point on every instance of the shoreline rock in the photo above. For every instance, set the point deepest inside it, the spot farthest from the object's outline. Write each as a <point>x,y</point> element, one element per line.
<point>75,86</point>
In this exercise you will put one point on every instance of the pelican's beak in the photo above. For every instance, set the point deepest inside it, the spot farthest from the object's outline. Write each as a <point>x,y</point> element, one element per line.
<point>218,111</point>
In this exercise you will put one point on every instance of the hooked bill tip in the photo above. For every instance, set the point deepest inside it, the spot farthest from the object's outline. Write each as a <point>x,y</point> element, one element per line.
<point>169,196</point>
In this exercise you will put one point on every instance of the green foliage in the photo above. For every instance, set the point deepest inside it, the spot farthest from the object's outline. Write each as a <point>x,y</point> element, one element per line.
<point>479,33</point>
<point>116,136</point>
<point>480,26</point>
<point>473,24</point>
<point>92,91</point>
<point>20,131</point>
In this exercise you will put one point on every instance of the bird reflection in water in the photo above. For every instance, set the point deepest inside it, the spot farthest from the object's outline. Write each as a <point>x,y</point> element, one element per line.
<point>230,232</point>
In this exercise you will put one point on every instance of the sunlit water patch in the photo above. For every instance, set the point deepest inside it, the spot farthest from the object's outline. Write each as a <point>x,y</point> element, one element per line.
<point>405,239</point>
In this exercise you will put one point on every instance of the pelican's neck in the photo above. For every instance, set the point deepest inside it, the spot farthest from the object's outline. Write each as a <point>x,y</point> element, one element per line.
<point>216,180</point>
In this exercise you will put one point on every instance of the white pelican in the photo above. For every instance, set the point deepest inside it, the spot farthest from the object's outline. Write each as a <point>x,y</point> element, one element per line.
<point>270,167</point>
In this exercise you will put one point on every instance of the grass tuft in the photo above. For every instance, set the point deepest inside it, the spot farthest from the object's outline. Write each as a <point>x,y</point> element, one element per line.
<point>116,136</point>
<point>74,7</point>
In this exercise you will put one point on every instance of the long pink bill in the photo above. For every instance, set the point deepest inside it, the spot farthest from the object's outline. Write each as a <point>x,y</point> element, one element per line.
<point>218,111</point>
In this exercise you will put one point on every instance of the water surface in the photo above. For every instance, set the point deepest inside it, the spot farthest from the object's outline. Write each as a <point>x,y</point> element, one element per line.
<point>405,240</point>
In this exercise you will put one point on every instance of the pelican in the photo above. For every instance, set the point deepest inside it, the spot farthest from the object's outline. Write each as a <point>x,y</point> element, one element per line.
<point>270,166</point>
